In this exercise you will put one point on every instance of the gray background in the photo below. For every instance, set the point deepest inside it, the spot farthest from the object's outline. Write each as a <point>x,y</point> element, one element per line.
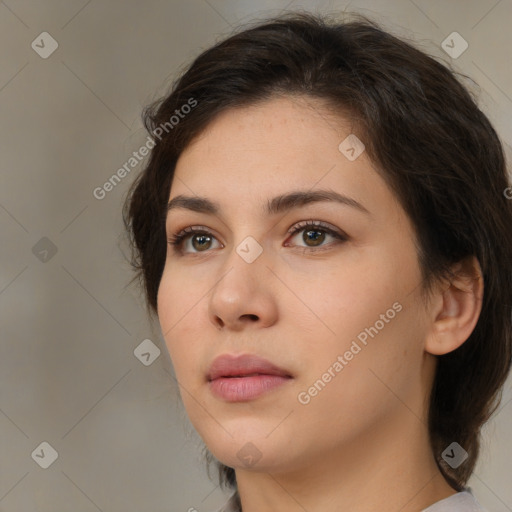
<point>69,324</point>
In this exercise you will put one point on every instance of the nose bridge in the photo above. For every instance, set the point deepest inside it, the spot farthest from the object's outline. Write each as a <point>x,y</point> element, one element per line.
<point>246,254</point>
<point>243,290</point>
<point>242,270</point>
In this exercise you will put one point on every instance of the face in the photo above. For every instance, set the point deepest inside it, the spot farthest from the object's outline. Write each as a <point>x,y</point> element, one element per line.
<point>323,284</point>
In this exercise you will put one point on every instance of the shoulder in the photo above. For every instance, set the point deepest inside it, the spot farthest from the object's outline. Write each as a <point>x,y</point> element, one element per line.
<point>463,501</point>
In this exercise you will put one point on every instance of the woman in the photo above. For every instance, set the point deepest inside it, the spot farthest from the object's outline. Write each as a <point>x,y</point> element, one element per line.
<point>322,231</point>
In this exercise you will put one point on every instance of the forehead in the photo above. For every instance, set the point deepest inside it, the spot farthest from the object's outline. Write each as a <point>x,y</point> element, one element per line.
<point>248,156</point>
<point>281,138</point>
<point>271,120</point>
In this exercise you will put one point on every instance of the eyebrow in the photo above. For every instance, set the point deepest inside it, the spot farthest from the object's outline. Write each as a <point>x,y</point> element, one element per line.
<point>278,204</point>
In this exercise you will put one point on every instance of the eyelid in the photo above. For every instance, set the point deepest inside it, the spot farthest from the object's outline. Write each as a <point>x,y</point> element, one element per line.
<point>315,223</point>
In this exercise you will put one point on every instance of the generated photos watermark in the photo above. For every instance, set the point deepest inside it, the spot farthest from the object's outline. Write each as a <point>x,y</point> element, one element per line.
<point>305,397</point>
<point>137,156</point>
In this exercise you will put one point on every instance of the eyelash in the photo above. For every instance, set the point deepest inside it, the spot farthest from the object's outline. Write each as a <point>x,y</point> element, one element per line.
<point>176,240</point>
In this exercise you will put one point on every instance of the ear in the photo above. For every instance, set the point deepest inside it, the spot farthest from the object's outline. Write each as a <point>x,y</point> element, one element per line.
<point>456,307</point>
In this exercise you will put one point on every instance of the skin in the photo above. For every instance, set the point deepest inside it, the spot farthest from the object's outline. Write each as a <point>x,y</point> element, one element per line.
<point>361,443</point>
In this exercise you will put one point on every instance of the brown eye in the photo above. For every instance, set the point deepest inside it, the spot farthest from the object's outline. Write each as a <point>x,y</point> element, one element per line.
<point>193,240</point>
<point>313,237</point>
<point>314,234</point>
<point>201,242</point>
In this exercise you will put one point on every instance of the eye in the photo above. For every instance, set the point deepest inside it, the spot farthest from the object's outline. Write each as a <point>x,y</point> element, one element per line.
<point>197,239</point>
<point>193,239</point>
<point>315,233</point>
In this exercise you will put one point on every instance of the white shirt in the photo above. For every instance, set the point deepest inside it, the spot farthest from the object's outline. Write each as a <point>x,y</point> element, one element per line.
<point>460,502</point>
<point>463,501</point>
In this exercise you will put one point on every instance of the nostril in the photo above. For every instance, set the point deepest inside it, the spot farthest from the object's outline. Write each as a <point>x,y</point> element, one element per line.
<point>250,316</point>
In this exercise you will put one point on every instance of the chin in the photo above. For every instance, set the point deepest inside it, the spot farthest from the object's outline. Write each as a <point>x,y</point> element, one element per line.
<point>248,449</point>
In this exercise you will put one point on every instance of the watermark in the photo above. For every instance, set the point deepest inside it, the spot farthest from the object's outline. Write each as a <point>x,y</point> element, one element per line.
<point>454,455</point>
<point>352,147</point>
<point>304,397</point>
<point>116,178</point>
<point>44,250</point>
<point>175,119</point>
<point>44,45</point>
<point>249,454</point>
<point>249,249</point>
<point>146,352</point>
<point>45,455</point>
<point>454,45</point>
<point>137,156</point>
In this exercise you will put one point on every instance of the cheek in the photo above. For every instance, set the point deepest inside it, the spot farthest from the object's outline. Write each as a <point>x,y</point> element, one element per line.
<point>370,311</point>
<point>178,294</point>
<point>374,379</point>
<point>177,311</point>
<point>351,296</point>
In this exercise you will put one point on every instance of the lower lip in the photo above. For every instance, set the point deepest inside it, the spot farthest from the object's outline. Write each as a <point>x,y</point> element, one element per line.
<point>241,389</point>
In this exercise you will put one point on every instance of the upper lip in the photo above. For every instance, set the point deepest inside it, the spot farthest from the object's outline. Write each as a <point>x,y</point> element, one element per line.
<point>243,365</point>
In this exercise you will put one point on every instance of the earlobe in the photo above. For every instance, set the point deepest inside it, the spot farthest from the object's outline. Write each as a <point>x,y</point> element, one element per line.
<point>459,306</point>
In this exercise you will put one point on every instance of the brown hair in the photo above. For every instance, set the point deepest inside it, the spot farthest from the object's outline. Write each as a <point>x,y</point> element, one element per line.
<point>437,151</point>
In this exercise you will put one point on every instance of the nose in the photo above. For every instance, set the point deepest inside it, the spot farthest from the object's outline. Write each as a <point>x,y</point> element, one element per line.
<point>244,296</point>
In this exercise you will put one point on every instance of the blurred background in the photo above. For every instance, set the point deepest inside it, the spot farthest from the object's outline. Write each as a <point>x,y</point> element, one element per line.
<point>89,412</point>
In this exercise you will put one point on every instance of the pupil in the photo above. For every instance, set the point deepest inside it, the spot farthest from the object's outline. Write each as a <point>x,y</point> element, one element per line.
<point>315,236</point>
<point>199,241</point>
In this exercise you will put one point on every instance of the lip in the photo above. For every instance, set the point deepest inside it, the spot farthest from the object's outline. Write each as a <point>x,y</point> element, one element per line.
<point>245,377</point>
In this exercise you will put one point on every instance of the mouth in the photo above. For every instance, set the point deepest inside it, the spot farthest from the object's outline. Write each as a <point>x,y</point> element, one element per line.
<point>243,378</point>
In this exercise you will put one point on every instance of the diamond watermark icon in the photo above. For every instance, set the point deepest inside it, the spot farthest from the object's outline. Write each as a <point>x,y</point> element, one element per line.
<point>454,45</point>
<point>44,250</point>
<point>44,45</point>
<point>351,147</point>
<point>249,454</point>
<point>249,249</point>
<point>147,352</point>
<point>454,455</point>
<point>45,455</point>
